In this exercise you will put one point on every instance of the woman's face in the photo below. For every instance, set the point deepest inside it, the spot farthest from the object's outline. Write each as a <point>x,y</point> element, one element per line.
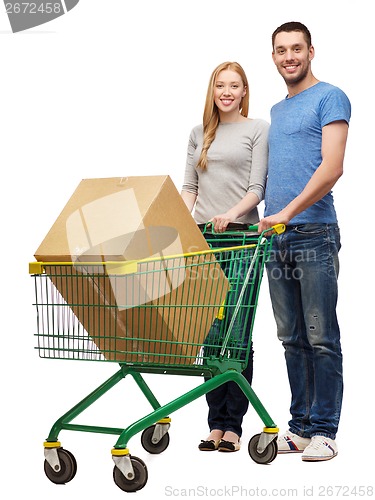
<point>228,92</point>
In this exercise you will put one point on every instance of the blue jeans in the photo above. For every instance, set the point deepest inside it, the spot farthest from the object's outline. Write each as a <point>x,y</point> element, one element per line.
<point>227,403</point>
<point>302,273</point>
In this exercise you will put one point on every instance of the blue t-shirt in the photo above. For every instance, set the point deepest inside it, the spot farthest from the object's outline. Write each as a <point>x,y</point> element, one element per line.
<point>295,141</point>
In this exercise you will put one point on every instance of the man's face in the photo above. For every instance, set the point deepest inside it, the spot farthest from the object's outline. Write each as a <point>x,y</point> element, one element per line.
<point>292,56</point>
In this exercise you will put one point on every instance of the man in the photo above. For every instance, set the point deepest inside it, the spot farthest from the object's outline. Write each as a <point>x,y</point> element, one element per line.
<point>307,142</point>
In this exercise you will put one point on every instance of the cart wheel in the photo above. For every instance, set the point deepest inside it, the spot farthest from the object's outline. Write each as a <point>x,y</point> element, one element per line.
<point>140,476</point>
<point>148,445</point>
<point>68,468</point>
<point>267,456</point>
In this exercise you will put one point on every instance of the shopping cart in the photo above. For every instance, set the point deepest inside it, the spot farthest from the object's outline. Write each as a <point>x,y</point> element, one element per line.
<point>124,312</point>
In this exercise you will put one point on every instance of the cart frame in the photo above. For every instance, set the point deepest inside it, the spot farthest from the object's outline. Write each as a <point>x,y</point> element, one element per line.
<point>130,473</point>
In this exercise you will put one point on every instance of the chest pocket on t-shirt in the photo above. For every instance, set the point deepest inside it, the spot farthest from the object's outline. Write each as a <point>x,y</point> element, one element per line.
<point>293,126</point>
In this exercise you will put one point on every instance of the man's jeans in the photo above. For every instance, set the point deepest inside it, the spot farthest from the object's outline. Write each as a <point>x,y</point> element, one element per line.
<point>302,273</point>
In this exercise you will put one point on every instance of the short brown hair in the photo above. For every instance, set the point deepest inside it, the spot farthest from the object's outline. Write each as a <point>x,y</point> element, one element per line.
<point>292,26</point>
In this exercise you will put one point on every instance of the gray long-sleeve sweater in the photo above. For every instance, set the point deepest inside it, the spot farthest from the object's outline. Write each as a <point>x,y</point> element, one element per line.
<point>237,165</point>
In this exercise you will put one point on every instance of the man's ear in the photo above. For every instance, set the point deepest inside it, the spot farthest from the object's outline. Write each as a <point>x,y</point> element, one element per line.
<point>311,53</point>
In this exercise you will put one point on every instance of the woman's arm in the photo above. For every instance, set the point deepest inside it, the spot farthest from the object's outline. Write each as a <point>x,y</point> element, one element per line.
<point>221,221</point>
<point>189,199</point>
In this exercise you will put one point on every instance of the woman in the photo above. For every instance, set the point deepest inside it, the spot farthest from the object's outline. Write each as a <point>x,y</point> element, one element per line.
<point>224,182</point>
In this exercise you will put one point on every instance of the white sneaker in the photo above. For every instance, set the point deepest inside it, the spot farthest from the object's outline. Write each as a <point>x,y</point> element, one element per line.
<point>292,443</point>
<point>320,448</point>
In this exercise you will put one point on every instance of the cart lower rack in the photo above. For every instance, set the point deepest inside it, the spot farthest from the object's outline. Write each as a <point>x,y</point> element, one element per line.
<point>179,315</point>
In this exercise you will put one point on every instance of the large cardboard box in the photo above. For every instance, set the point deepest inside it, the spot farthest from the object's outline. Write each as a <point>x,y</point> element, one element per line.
<point>146,299</point>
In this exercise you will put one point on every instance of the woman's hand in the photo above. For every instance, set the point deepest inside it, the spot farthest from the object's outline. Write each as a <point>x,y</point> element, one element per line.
<point>221,221</point>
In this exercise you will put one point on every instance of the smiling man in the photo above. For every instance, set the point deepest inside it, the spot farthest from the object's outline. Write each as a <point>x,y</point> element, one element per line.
<point>307,141</point>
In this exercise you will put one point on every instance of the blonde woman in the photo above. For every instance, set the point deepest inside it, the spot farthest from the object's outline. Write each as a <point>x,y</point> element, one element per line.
<point>225,178</point>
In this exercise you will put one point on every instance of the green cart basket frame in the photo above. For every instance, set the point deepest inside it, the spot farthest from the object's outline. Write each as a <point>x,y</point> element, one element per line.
<point>62,336</point>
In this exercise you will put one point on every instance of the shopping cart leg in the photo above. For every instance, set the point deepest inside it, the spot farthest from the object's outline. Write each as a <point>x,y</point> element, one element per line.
<point>63,422</point>
<point>145,389</point>
<point>60,465</point>
<point>181,401</point>
<point>154,439</point>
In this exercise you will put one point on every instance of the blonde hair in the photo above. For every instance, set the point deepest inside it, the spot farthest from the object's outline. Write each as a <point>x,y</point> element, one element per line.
<point>211,117</point>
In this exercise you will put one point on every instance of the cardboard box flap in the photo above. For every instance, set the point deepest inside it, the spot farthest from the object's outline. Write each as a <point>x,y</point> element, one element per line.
<point>120,219</point>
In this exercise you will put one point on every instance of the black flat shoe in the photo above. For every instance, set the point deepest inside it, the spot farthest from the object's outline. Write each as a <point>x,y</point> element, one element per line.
<point>228,445</point>
<point>210,445</point>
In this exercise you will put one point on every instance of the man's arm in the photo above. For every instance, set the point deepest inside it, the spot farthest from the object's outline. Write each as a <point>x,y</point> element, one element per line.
<point>334,136</point>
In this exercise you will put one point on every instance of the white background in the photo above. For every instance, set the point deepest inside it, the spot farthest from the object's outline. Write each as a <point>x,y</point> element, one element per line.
<point>113,88</point>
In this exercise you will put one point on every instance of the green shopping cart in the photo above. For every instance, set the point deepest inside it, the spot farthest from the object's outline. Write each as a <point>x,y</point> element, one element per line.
<point>171,315</point>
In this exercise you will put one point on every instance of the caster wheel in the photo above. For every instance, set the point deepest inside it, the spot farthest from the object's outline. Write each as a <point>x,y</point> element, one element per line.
<point>68,468</point>
<point>139,480</point>
<point>267,456</point>
<point>148,445</point>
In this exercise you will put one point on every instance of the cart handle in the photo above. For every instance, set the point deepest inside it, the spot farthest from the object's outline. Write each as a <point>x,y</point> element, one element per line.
<point>277,228</point>
<point>129,267</point>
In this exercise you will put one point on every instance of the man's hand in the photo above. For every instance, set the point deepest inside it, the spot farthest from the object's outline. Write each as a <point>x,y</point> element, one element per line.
<point>272,220</point>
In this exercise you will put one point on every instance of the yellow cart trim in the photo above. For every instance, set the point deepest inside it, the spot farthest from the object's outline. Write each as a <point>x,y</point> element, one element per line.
<point>36,268</point>
<point>271,430</point>
<point>165,420</point>
<point>119,452</point>
<point>55,444</point>
<point>125,267</point>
